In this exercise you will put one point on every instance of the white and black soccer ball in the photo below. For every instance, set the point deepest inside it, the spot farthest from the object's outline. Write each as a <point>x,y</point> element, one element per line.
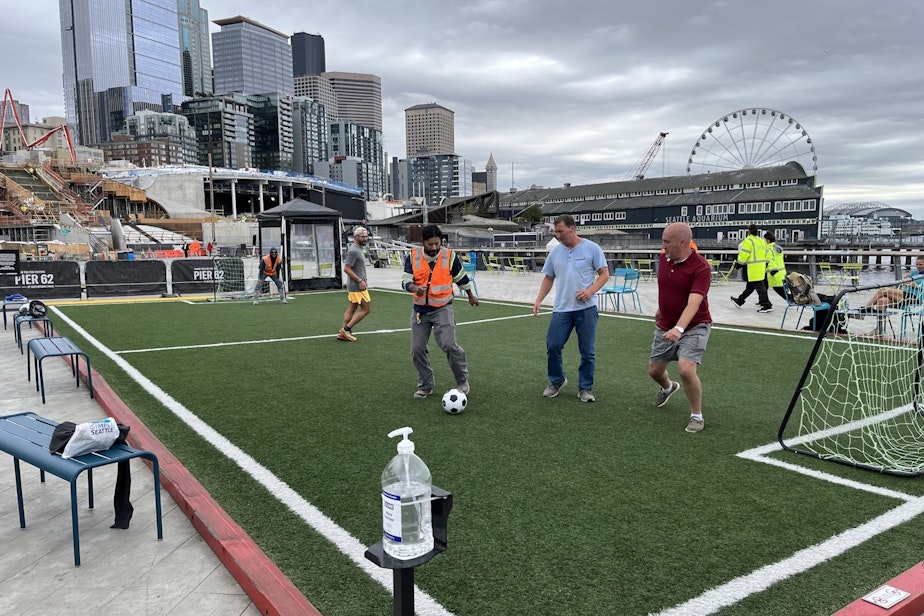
<point>454,401</point>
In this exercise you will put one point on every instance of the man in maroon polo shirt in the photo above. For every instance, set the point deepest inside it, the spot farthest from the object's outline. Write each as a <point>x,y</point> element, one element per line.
<point>682,321</point>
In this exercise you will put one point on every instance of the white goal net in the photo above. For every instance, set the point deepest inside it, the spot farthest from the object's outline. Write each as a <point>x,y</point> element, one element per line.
<point>858,401</point>
<point>230,282</point>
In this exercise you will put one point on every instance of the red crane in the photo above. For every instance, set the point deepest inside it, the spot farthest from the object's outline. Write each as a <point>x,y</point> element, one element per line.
<point>8,96</point>
<point>641,167</point>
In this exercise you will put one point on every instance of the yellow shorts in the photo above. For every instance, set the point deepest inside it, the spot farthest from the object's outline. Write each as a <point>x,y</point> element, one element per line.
<point>358,297</point>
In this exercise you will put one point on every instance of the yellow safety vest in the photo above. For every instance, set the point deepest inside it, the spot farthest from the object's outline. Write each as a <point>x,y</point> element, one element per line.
<point>752,253</point>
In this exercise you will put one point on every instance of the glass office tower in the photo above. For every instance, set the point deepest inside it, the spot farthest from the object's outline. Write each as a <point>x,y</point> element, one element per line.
<point>120,56</point>
<point>195,48</point>
<point>251,58</point>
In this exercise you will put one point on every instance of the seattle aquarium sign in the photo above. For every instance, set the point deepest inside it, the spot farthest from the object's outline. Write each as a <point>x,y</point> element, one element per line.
<point>698,218</point>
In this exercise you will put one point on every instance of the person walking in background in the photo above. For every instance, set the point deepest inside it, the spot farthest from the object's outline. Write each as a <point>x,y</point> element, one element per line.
<point>580,270</point>
<point>209,248</point>
<point>682,321</point>
<point>776,266</point>
<point>354,267</point>
<point>269,268</point>
<point>429,273</point>
<point>752,255</point>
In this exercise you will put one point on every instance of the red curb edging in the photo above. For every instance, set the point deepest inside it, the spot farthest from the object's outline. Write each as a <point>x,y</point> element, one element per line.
<point>911,581</point>
<point>269,589</point>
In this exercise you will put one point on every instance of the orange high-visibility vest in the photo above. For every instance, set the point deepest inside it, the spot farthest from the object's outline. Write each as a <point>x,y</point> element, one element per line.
<point>438,279</point>
<point>269,266</point>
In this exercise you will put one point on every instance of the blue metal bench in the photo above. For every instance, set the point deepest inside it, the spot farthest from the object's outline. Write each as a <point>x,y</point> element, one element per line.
<point>26,437</point>
<point>19,319</point>
<point>15,305</point>
<point>57,346</point>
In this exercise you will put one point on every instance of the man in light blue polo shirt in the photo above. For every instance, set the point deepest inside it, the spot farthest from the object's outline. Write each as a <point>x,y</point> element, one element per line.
<point>579,267</point>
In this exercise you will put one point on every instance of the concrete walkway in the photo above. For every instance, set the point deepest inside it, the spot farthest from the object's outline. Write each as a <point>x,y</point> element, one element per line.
<point>123,572</point>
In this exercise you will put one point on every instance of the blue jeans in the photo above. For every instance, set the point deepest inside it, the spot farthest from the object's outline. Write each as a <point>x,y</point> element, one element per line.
<point>584,322</point>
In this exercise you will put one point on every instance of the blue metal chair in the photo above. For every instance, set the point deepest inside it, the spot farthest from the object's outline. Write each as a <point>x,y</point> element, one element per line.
<point>801,307</point>
<point>470,267</point>
<point>628,286</point>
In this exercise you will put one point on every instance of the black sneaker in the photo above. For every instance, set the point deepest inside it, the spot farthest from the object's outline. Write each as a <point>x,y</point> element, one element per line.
<point>738,304</point>
<point>764,309</point>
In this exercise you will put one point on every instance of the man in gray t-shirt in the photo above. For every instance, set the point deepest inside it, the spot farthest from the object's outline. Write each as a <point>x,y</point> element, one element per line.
<point>354,268</point>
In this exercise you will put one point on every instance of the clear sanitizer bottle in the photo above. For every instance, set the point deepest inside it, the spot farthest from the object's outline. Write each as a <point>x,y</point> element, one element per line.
<point>407,525</point>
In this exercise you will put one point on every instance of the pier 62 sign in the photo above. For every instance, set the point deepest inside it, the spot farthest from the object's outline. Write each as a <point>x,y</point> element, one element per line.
<point>43,280</point>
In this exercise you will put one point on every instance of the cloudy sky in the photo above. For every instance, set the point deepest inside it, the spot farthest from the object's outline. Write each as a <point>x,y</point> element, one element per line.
<point>577,91</point>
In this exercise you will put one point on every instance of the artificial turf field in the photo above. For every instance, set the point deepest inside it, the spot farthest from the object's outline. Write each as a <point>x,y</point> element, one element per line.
<point>560,507</point>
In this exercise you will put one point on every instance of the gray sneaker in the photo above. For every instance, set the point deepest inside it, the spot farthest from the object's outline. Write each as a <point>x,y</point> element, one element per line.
<point>552,390</point>
<point>586,395</point>
<point>662,397</point>
<point>422,393</point>
<point>695,425</point>
<point>463,387</point>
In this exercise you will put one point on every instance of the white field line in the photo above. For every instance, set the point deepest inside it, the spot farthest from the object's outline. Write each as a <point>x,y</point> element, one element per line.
<point>741,587</point>
<point>297,338</point>
<point>760,580</point>
<point>350,546</point>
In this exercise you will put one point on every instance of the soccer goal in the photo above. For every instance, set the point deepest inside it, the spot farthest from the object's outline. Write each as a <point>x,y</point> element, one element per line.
<point>858,401</point>
<point>230,282</point>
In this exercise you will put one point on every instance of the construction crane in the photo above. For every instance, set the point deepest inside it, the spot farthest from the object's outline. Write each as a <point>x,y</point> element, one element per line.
<point>641,167</point>
<point>8,97</point>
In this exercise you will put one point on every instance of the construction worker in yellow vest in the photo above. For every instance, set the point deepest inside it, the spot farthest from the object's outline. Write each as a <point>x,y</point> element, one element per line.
<point>776,267</point>
<point>753,256</point>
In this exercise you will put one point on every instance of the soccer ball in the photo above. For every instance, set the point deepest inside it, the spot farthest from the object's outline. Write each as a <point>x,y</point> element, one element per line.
<point>454,401</point>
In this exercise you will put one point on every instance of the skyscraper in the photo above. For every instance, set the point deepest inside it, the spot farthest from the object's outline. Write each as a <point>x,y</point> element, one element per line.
<point>195,48</point>
<point>310,134</point>
<point>251,58</point>
<point>491,174</point>
<point>318,89</point>
<point>429,129</point>
<point>308,54</point>
<point>119,58</point>
<point>359,97</point>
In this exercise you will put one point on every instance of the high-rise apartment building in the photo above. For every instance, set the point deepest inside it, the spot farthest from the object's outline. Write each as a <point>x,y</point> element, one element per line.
<point>318,89</point>
<point>152,138</point>
<point>225,129</point>
<point>309,134</point>
<point>272,131</point>
<point>119,58</point>
<point>359,97</point>
<point>429,129</point>
<point>350,140</point>
<point>195,48</point>
<point>308,54</point>
<point>251,58</point>
<point>440,175</point>
<point>21,110</point>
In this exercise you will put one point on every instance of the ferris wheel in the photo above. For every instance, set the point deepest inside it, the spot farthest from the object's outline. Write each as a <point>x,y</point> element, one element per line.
<point>749,138</point>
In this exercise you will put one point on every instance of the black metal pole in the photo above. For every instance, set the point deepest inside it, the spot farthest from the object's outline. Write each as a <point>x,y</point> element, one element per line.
<point>404,591</point>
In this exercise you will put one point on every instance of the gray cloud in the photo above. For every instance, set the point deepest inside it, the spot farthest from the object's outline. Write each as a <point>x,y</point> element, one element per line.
<point>577,91</point>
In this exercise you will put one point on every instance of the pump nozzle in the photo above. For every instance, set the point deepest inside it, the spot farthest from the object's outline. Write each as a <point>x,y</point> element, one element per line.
<point>406,445</point>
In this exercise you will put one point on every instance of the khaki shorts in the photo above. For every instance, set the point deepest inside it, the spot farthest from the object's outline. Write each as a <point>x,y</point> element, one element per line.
<point>691,346</point>
<point>358,297</point>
